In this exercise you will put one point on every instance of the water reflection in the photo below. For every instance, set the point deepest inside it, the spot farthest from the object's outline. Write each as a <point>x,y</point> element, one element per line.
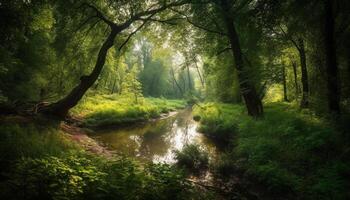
<point>155,141</point>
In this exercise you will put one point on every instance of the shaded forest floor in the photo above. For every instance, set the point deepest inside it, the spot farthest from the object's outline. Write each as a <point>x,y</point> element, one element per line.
<point>292,153</point>
<point>289,154</point>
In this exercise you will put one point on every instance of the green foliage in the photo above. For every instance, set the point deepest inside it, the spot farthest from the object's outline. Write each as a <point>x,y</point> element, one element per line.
<point>288,150</point>
<point>44,165</point>
<point>167,182</point>
<point>218,120</point>
<point>87,177</point>
<point>104,110</point>
<point>131,87</point>
<point>192,157</point>
<point>31,141</point>
<point>56,178</point>
<point>224,166</point>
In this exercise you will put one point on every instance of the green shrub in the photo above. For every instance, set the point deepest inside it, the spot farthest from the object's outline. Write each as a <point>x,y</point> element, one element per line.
<point>87,177</point>
<point>217,120</point>
<point>192,157</point>
<point>40,163</point>
<point>224,166</point>
<point>54,178</point>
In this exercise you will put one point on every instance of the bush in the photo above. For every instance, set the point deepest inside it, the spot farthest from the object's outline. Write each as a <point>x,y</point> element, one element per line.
<point>87,177</point>
<point>217,120</point>
<point>192,157</point>
<point>54,178</point>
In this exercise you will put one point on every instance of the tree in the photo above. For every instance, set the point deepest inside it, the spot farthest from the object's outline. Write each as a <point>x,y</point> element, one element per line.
<point>222,23</point>
<point>131,86</point>
<point>331,58</point>
<point>143,13</point>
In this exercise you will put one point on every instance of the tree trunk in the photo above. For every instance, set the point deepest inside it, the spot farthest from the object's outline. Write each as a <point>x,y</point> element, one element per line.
<point>61,107</point>
<point>331,59</point>
<point>304,77</point>
<point>188,75</point>
<point>115,81</point>
<point>199,73</point>
<point>284,83</point>
<point>177,84</point>
<point>251,98</point>
<point>294,65</point>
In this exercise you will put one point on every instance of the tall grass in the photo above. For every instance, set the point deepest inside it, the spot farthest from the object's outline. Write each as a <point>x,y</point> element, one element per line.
<point>32,141</point>
<point>105,110</point>
<point>217,120</point>
<point>290,151</point>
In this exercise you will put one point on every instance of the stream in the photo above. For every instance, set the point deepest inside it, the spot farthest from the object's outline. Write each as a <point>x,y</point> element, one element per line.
<point>156,140</point>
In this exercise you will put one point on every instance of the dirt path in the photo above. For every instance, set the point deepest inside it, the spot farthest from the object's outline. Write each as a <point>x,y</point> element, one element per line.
<point>80,136</point>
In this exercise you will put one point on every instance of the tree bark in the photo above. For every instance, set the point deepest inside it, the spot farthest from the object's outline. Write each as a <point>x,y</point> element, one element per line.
<point>304,76</point>
<point>248,90</point>
<point>61,107</point>
<point>199,73</point>
<point>114,82</point>
<point>331,59</point>
<point>294,65</point>
<point>188,75</point>
<point>177,84</point>
<point>284,80</point>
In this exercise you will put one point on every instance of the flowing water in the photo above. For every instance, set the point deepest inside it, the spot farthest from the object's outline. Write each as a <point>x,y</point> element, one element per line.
<point>156,140</point>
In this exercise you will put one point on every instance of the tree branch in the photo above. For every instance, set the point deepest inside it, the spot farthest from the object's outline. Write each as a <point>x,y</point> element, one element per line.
<point>170,21</point>
<point>100,15</point>
<point>290,38</point>
<point>223,50</point>
<point>85,22</point>
<point>135,31</point>
<point>138,16</point>
<point>199,26</point>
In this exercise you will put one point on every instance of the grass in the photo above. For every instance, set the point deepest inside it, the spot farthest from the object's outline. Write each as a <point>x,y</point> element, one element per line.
<point>217,120</point>
<point>106,110</point>
<point>290,151</point>
<point>192,157</point>
<point>41,163</point>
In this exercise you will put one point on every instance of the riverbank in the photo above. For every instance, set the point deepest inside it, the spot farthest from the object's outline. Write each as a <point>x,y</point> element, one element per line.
<point>284,153</point>
<point>55,166</point>
<point>113,110</point>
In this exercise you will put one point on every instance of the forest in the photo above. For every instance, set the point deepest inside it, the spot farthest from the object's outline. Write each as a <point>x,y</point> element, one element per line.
<point>175,99</point>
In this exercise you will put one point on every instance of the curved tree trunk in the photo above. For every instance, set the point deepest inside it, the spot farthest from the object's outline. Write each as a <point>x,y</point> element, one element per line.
<point>61,107</point>
<point>248,90</point>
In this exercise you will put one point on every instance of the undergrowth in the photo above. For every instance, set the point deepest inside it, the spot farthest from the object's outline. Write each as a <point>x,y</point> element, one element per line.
<point>192,157</point>
<point>289,151</point>
<point>105,110</point>
<point>42,163</point>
